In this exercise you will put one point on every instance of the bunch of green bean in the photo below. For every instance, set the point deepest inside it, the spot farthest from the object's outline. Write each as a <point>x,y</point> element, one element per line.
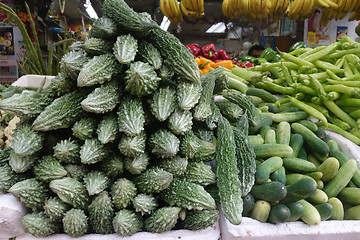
<point>323,81</point>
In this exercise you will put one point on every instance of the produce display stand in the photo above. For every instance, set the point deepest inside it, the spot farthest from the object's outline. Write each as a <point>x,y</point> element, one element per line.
<point>327,230</point>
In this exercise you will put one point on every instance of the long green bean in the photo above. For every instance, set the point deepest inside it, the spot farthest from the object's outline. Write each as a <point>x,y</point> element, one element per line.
<point>331,105</point>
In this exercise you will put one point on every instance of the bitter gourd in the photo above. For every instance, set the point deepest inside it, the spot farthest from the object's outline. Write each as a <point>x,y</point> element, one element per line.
<point>97,46</point>
<point>72,63</point>
<point>164,144</point>
<point>108,130</point>
<point>136,165</point>
<point>162,220</point>
<point>149,53</point>
<point>200,173</point>
<point>180,121</point>
<point>103,27</point>
<point>125,48</point>
<point>145,204</point>
<point>196,220</point>
<point>55,209</point>
<point>39,225</point>
<point>101,213</point>
<point>176,165</point>
<point>67,151</point>
<point>131,146</point>
<point>75,223</point>
<point>163,103</point>
<point>48,168</point>
<point>92,151</point>
<point>123,192</point>
<point>127,222</point>
<point>131,117</point>
<point>96,182</point>
<point>153,180</point>
<point>84,128</point>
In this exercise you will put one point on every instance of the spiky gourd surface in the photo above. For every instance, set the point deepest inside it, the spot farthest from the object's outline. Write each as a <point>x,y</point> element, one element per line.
<point>188,94</point>
<point>196,220</point>
<point>196,149</point>
<point>8,177</point>
<point>25,104</point>
<point>85,128</point>
<point>61,113</point>
<point>131,146</point>
<point>97,70</point>
<point>97,46</point>
<point>145,204</point>
<point>127,222</point>
<point>175,165</point>
<point>162,220</point>
<point>200,173</point>
<point>164,144</point>
<point>75,222</point>
<point>131,117</point>
<point>107,129</point>
<point>180,121</point>
<point>203,109</point>
<point>67,151</point>
<point>113,166</point>
<point>96,182</point>
<point>123,192</point>
<point>55,208</point>
<point>166,71</point>
<point>136,165</point>
<point>125,48</point>
<point>230,110</point>
<point>70,191</point>
<point>103,27</point>
<point>186,194</point>
<point>48,168</point>
<point>149,53</point>
<point>21,164</point>
<point>39,225</point>
<point>92,151</point>
<point>153,180</point>
<point>31,193</point>
<point>25,140</point>
<point>72,62</point>
<point>61,84</point>
<point>101,213</point>
<point>76,171</point>
<point>163,103</point>
<point>103,99</point>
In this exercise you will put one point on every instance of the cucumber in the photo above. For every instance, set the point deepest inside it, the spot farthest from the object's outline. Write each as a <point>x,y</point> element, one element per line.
<point>329,168</point>
<point>315,144</point>
<point>342,158</point>
<point>248,204</point>
<point>352,213</point>
<point>296,211</point>
<point>264,170</point>
<point>283,133</point>
<point>311,215</point>
<point>255,139</point>
<point>350,195</point>
<point>261,211</point>
<point>313,159</point>
<point>261,93</point>
<point>320,184</point>
<point>320,132</point>
<point>342,178</point>
<point>269,191</point>
<point>303,153</point>
<point>270,137</point>
<point>265,120</point>
<point>315,175</point>
<point>289,116</point>
<point>338,213</point>
<point>325,210</point>
<point>296,143</point>
<point>279,213</point>
<point>309,124</point>
<point>294,177</point>
<point>263,130</point>
<point>298,190</point>
<point>271,150</point>
<point>279,175</point>
<point>319,197</point>
<point>333,145</point>
<point>298,165</point>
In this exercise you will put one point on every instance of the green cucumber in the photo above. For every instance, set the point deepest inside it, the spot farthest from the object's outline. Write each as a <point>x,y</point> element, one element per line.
<point>263,94</point>
<point>315,175</point>
<point>338,213</point>
<point>271,150</point>
<point>255,139</point>
<point>309,124</point>
<point>296,143</point>
<point>264,129</point>
<point>319,197</point>
<point>248,204</point>
<point>315,144</point>
<point>279,213</point>
<point>261,211</point>
<point>325,210</point>
<point>298,190</point>
<point>289,116</point>
<point>333,145</point>
<point>264,170</point>
<point>279,175</point>
<point>303,153</point>
<point>269,191</point>
<point>294,177</point>
<point>311,158</point>
<point>350,195</point>
<point>342,178</point>
<point>329,168</point>
<point>270,137</point>
<point>342,158</point>
<point>320,184</point>
<point>283,133</point>
<point>352,213</point>
<point>296,211</point>
<point>311,215</point>
<point>298,165</point>
<point>265,120</point>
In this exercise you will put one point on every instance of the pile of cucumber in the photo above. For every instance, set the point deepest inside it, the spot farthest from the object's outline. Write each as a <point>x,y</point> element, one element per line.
<point>299,176</point>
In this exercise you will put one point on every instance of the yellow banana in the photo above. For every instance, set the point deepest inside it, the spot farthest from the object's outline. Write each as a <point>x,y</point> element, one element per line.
<point>176,10</point>
<point>347,5</point>
<point>295,8</point>
<point>168,10</point>
<point>352,7</point>
<point>322,3</point>
<point>332,4</point>
<point>357,6</point>
<point>188,4</point>
<point>271,8</point>
<point>278,8</point>
<point>162,8</point>
<point>224,8</point>
<point>285,7</point>
<point>186,12</point>
<point>201,7</point>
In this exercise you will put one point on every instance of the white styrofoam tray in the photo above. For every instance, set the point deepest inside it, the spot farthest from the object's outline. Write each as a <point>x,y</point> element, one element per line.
<point>33,81</point>
<point>252,229</point>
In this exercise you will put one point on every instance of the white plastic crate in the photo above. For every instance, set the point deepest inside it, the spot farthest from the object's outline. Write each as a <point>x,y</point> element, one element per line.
<point>251,229</point>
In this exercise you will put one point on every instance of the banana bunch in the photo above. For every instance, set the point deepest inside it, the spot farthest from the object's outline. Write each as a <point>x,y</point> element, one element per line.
<point>192,8</point>
<point>343,8</point>
<point>301,9</point>
<point>171,9</point>
<point>248,10</point>
<point>278,8</point>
